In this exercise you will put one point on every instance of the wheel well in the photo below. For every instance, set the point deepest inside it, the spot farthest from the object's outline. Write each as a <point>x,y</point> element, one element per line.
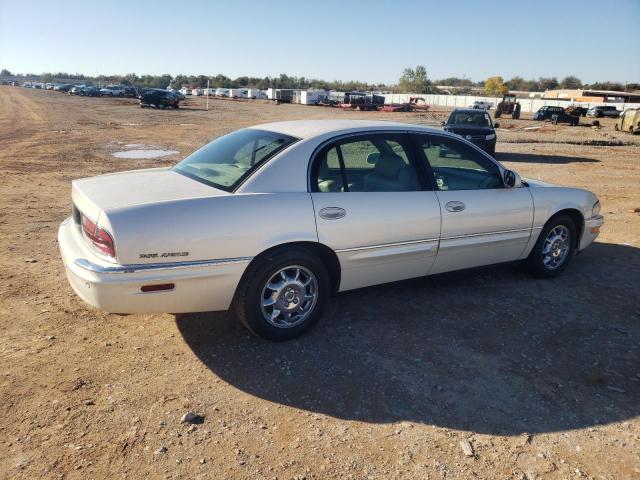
<point>578,220</point>
<point>327,255</point>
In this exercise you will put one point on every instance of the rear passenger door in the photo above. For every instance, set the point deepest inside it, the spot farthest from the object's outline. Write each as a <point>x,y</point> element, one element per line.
<point>483,222</point>
<point>374,209</point>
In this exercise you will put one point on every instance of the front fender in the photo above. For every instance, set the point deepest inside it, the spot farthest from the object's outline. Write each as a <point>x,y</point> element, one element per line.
<point>549,200</point>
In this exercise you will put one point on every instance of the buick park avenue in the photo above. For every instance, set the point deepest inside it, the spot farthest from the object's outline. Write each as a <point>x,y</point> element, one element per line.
<point>272,220</point>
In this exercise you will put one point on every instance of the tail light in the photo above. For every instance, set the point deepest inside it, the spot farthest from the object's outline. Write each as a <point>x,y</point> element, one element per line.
<point>99,237</point>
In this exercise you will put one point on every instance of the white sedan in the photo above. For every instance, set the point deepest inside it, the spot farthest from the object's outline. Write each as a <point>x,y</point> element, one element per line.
<point>275,218</point>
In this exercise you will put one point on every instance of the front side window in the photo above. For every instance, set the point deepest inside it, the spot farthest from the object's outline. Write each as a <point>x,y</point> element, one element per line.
<point>227,161</point>
<point>371,163</point>
<point>457,166</point>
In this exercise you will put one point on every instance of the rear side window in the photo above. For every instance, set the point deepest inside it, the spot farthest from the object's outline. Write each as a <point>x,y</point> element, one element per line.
<point>228,161</point>
<point>369,163</point>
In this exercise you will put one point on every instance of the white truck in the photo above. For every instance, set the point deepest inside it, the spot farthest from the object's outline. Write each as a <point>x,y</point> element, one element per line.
<point>481,105</point>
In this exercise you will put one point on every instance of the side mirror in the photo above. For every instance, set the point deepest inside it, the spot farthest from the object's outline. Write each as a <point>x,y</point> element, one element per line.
<point>511,179</point>
<point>496,125</point>
<point>442,124</point>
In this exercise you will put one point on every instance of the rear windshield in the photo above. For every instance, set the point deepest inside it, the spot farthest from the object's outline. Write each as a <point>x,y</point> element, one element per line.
<point>227,161</point>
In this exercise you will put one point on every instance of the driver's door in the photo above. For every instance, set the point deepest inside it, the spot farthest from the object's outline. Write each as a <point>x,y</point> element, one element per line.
<point>483,222</point>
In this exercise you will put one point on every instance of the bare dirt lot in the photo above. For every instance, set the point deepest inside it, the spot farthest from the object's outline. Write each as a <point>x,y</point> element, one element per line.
<point>541,377</point>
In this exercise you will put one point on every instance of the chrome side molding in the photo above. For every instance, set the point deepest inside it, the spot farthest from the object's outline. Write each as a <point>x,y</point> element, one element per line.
<point>145,267</point>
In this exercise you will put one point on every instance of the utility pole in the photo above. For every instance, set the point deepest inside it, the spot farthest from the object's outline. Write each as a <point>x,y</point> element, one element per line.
<point>207,95</point>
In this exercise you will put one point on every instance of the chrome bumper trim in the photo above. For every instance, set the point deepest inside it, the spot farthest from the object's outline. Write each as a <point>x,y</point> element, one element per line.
<point>92,267</point>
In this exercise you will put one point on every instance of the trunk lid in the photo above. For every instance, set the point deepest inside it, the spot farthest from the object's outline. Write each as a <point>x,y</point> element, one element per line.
<point>136,187</point>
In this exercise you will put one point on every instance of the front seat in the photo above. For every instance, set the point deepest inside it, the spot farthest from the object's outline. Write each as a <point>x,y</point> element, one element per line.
<point>391,174</point>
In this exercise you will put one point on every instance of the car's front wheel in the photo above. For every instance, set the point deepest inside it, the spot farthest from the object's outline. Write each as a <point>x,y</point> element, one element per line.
<point>283,295</point>
<point>554,249</point>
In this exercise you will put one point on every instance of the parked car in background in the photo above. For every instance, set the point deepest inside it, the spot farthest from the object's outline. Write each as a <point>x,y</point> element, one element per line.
<point>63,87</point>
<point>112,91</point>
<point>131,92</point>
<point>89,91</point>
<point>177,93</point>
<point>198,237</point>
<point>556,115</point>
<point>603,111</point>
<point>481,105</point>
<point>629,121</point>
<point>475,125</point>
<point>576,111</point>
<point>158,98</point>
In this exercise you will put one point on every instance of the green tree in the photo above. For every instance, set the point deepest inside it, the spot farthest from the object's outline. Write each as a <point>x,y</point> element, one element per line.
<point>415,81</point>
<point>547,83</point>
<point>571,82</point>
<point>5,73</point>
<point>495,87</point>
<point>516,83</point>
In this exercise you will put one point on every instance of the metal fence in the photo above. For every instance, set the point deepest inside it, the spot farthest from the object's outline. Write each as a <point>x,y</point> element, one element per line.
<point>527,104</point>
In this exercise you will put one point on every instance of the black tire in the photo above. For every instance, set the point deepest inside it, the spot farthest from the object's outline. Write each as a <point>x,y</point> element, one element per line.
<point>247,301</point>
<point>535,261</point>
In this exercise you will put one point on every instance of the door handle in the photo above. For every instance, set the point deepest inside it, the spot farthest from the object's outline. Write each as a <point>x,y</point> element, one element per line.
<point>455,206</point>
<point>332,213</point>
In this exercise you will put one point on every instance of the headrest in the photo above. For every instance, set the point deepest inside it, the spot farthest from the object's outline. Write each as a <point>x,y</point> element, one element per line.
<point>389,165</point>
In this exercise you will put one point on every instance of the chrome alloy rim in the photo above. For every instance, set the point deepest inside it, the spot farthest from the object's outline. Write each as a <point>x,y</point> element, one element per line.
<point>556,247</point>
<point>289,296</point>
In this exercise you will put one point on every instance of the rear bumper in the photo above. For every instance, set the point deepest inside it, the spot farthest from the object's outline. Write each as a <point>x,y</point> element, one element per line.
<point>199,286</point>
<point>591,231</point>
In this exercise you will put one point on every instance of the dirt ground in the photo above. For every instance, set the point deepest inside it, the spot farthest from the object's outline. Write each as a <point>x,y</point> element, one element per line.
<point>541,377</point>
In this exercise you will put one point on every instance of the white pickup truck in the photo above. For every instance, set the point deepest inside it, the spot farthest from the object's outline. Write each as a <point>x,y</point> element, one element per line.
<point>481,105</point>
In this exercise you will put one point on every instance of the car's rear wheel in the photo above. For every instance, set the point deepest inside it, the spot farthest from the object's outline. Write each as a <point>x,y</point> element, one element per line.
<point>283,295</point>
<point>554,249</point>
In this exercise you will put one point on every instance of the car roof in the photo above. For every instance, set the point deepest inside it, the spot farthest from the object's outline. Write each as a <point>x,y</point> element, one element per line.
<point>314,128</point>
<point>468,110</point>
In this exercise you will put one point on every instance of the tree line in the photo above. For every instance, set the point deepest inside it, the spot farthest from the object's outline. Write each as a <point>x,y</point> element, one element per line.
<point>412,80</point>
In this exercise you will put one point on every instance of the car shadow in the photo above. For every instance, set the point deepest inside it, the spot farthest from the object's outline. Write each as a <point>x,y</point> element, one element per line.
<point>540,158</point>
<point>489,350</point>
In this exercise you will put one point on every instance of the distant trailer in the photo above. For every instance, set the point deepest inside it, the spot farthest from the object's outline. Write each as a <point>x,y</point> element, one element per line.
<point>362,101</point>
<point>284,95</point>
<point>256,93</point>
<point>208,91</point>
<point>222,92</point>
<point>238,92</point>
<point>313,97</point>
<point>196,92</point>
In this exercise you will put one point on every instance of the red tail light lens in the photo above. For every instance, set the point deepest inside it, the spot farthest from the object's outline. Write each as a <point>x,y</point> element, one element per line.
<point>100,238</point>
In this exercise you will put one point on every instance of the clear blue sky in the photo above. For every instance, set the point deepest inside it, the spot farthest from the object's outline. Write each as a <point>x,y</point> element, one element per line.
<point>328,39</point>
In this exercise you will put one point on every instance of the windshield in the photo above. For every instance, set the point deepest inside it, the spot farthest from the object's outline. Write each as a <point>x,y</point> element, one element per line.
<point>227,161</point>
<point>471,119</point>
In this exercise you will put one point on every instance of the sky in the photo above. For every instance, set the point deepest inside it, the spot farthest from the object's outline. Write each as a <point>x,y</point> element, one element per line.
<point>328,39</point>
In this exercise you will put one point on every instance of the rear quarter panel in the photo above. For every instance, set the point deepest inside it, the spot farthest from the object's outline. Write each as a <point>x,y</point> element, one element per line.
<point>233,226</point>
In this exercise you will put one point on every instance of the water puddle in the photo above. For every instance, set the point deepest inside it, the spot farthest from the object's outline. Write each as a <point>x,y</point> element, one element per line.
<point>144,154</point>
